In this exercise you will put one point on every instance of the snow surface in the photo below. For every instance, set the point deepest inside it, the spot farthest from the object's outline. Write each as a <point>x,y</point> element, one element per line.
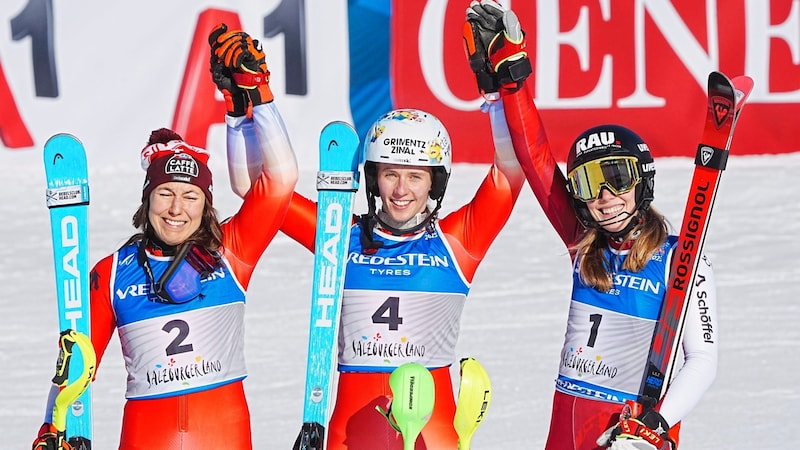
<point>513,322</point>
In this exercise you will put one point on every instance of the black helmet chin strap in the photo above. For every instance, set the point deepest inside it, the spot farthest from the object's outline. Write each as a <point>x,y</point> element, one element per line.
<point>372,218</point>
<point>636,219</point>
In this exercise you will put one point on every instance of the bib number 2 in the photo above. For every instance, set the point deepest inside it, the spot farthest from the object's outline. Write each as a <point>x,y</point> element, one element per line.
<point>177,346</point>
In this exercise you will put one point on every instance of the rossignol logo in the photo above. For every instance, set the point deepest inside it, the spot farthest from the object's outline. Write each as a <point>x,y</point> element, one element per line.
<point>594,140</point>
<point>328,276</point>
<point>182,164</point>
<point>691,239</point>
<point>70,230</point>
<point>722,109</point>
<point>706,153</point>
<point>684,262</point>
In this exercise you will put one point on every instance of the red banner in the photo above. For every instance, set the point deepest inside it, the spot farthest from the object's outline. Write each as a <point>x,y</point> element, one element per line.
<point>642,64</point>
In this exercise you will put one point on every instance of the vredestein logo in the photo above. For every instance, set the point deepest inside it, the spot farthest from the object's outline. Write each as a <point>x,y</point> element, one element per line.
<point>72,298</point>
<point>327,278</point>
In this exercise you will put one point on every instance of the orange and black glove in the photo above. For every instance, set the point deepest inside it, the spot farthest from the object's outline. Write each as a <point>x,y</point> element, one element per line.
<point>496,48</point>
<point>238,64</point>
<point>237,102</point>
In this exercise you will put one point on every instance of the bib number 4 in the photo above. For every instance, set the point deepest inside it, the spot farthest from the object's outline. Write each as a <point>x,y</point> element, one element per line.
<point>389,313</point>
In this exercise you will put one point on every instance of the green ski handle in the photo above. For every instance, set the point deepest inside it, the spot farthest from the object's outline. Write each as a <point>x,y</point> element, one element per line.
<point>413,397</point>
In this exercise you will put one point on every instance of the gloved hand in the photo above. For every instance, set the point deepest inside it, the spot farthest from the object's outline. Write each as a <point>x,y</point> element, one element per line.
<point>496,48</point>
<point>237,102</point>
<point>50,439</point>
<point>245,62</point>
<point>647,431</point>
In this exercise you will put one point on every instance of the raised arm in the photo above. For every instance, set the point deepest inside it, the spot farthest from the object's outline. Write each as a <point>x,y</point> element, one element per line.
<point>541,169</point>
<point>261,161</point>
<point>472,228</point>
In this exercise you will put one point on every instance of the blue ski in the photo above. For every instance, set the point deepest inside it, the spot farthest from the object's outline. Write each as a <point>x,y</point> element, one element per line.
<point>337,183</point>
<point>68,202</point>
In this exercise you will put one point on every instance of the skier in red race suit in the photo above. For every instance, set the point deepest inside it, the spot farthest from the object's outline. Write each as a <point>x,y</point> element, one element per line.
<point>621,251</point>
<point>182,335</point>
<point>408,271</point>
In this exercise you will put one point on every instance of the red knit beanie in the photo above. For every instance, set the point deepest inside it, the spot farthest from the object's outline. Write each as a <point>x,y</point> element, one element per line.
<point>168,158</point>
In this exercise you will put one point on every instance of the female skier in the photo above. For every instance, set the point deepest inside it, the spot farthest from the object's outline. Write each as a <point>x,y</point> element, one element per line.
<point>622,252</point>
<point>175,291</point>
<point>409,271</point>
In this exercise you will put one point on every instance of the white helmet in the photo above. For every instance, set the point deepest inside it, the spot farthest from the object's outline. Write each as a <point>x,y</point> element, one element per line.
<point>409,137</point>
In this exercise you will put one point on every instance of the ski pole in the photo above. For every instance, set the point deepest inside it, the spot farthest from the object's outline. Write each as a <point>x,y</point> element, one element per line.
<point>71,391</point>
<point>413,397</point>
<point>474,396</point>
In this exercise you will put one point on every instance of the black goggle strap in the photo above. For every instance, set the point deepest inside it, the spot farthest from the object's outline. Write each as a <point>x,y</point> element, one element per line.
<point>158,286</point>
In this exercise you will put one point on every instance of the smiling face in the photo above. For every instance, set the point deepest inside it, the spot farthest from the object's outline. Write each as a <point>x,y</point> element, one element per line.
<point>176,211</point>
<point>404,190</point>
<point>610,210</point>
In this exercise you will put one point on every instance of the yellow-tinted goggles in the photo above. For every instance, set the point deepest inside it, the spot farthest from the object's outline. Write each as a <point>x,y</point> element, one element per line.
<point>618,174</point>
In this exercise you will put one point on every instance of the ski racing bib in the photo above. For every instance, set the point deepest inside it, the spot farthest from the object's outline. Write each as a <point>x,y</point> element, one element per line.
<point>401,304</point>
<point>603,357</point>
<point>175,349</point>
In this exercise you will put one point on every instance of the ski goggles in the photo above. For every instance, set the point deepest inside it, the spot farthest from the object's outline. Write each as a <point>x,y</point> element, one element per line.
<point>618,174</point>
<point>181,281</point>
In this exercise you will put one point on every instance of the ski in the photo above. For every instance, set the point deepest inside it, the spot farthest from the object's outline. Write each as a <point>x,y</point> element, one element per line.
<point>68,203</point>
<point>337,183</point>
<point>726,99</point>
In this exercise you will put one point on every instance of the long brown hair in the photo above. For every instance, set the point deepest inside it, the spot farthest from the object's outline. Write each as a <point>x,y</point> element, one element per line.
<point>593,266</point>
<point>208,236</point>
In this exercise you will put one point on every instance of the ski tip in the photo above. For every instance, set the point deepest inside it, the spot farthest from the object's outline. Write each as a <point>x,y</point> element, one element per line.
<point>742,85</point>
<point>338,133</point>
<point>62,137</point>
<point>339,148</point>
<point>338,123</point>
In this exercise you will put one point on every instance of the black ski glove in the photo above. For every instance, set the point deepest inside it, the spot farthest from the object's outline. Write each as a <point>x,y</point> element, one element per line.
<point>496,48</point>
